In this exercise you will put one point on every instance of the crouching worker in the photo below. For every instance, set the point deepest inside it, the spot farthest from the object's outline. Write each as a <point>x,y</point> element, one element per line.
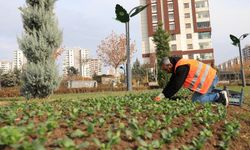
<point>194,75</point>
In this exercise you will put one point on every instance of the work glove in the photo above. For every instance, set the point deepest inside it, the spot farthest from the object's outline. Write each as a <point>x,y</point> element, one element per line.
<point>159,97</point>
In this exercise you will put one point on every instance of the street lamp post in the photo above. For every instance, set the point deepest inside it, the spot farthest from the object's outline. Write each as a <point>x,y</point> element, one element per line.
<point>124,17</point>
<point>128,64</point>
<point>236,42</point>
<point>124,73</point>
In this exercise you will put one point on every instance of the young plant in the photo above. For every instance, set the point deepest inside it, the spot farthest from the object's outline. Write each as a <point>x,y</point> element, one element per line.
<point>10,135</point>
<point>231,130</point>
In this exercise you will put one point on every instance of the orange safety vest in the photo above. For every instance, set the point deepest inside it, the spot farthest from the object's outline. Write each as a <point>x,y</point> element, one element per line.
<point>200,76</point>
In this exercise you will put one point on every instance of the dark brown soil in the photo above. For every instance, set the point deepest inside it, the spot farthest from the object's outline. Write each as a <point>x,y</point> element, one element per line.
<point>241,142</point>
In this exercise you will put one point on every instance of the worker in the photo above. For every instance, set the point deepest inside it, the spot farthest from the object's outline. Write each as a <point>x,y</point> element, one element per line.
<point>194,75</point>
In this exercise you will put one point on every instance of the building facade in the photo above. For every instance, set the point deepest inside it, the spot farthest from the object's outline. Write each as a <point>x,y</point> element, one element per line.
<point>79,59</point>
<point>95,66</point>
<point>246,53</point>
<point>19,59</point>
<point>229,64</point>
<point>6,66</point>
<point>187,21</point>
<point>76,57</point>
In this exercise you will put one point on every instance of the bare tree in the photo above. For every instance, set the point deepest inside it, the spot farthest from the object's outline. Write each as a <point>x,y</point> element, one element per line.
<point>246,66</point>
<point>247,69</point>
<point>112,50</point>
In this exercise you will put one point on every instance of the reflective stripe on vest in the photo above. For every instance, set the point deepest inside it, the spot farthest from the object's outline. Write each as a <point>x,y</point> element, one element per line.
<point>200,75</point>
<point>203,78</point>
<point>196,75</point>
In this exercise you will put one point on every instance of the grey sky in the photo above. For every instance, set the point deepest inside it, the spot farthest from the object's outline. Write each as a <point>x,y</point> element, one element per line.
<point>228,17</point>
<point>86,22</point>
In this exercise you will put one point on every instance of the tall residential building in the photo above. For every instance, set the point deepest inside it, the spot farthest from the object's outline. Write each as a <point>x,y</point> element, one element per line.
<point>19,59</point>
<point>76,57</point>
<point>6,66</point>
<point>246,52</point>
<point>95,66</point>
<point>79,59</point>
<point>187,21</point>
<point>83,61</point>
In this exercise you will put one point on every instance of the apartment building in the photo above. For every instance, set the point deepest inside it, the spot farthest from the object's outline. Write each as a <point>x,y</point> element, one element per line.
<point>76,57</point>
<point>19,59</point>
<point>79,58</point>
<point>229,64</point>
<point>246,53</point>
<point>6,66</point>
<point>95,66</point>
<point>187,21</point>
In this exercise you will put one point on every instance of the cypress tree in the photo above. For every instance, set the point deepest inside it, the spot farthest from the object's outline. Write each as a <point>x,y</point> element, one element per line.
<point>161,40</point>
<point>39,42</point>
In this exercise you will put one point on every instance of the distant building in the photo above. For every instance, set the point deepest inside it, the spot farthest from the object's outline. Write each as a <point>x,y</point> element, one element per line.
<point>79,59</point>
<point>246,52</point>
<point>229,64</point>
<point>75,57</point>
<point>19,59</point>
<point>188,22</point>
<point>95,66</point>
<point>6,66</point>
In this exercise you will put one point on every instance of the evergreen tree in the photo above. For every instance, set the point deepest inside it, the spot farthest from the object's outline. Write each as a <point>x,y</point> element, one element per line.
<point>39,42</point>
<point>161,40</point>
<point>72,71</point>
<point>11,78</point>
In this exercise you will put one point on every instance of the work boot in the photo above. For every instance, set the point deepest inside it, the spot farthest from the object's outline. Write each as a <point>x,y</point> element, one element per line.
<point>223,98</point>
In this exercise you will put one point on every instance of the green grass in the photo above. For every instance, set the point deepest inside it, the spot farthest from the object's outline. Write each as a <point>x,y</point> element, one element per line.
<point>246,93</point>
<point>238,88</point>
<point>72,96</point>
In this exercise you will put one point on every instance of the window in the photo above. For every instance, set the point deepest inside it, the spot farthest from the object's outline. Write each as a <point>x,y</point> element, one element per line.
<point>189,36</point>
<point>206,56</point>
<point>204,35</point>
<point>171,16</point>
<point>154,18</point>
<point>187,15</point>
<point>173,37</point>
<point>190,46</point>
<point>200,4</point>
<point>186,5</point>
<point>154,8</point>
<point>171,26</point>
<point>173,47</point>
<point>153,1</point>
<point>202,14</point>
<point>190,56</point>
<point>188,25</point>
<point>170,6</point>
<point>201,25</point>
<point>154,27</point>
<point>204,45</point>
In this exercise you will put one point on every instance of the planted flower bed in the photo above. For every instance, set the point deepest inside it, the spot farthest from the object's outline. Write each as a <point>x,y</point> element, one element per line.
<point>128,122</point>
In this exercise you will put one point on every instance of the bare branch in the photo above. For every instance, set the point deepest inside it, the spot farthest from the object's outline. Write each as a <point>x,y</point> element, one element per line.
<point>112,50</point>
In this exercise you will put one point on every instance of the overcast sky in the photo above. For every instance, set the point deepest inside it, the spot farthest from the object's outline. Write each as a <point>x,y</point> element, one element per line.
<point>86,22</point>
